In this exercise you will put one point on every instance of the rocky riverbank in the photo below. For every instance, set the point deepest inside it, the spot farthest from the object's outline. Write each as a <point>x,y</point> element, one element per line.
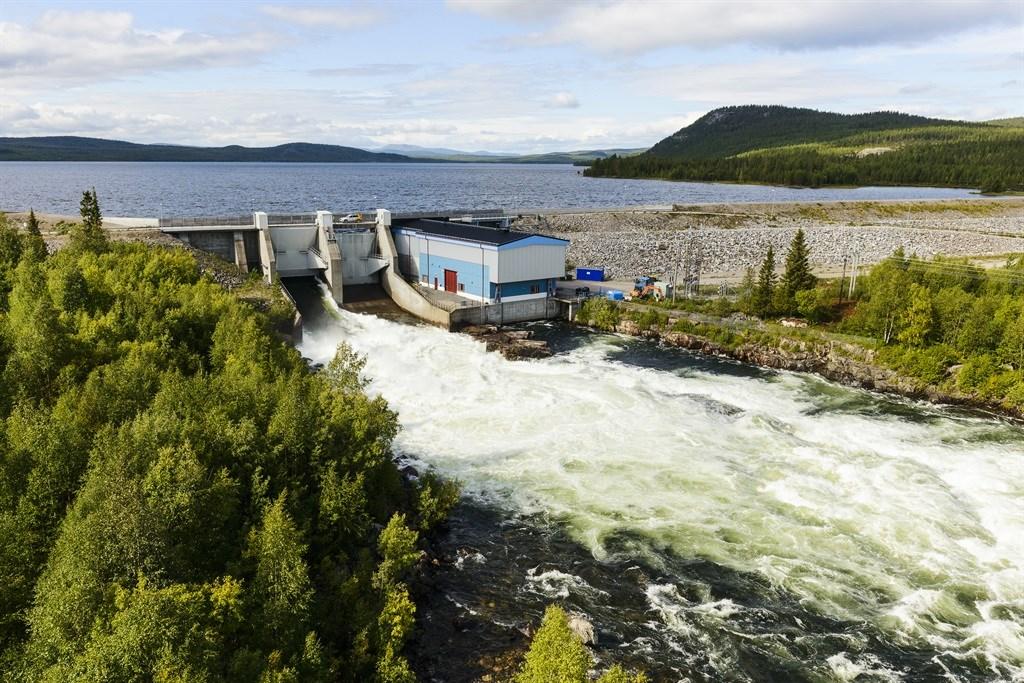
<point>848,364</point>
<point>731,238</point>
<point>513,344</point>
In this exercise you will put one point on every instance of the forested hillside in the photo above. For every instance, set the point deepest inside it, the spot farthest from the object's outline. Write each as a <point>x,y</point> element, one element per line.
<point>804,147</point>
<point>181,498</point>
<point>71,148</point>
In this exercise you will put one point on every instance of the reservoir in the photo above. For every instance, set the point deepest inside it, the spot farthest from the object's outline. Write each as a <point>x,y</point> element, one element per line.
<point>716,522</point>
<point>155,189</point>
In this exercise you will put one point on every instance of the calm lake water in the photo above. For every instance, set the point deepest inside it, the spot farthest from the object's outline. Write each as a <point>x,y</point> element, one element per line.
<point>192,189</point>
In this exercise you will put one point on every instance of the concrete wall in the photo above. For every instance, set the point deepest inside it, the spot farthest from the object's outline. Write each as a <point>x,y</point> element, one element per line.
<point>330,252</point>
<point>252,249</point>
<point>506,313</point>
<point>358,257</point>
<point>408,245</point>
<point>268,258</point>
<point>400,291</point>
<point>292,245</point>
<point>221,244</point>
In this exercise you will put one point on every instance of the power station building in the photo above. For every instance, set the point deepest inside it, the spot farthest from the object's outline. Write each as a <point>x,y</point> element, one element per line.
<point>479,263</point>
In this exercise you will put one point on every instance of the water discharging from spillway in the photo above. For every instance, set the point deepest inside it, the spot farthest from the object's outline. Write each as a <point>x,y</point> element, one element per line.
<point>772,526</point>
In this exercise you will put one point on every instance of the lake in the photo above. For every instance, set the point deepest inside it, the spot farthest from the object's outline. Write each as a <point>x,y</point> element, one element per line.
<point>192,189</point>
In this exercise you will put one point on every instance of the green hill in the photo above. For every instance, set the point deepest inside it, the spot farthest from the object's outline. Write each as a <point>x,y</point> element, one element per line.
<point>732,130</point>
<point>1014,122</point>
<point>70,148</point>
<point>784,145</point>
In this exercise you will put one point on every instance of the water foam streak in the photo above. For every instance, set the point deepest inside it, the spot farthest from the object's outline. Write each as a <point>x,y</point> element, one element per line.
<point>913,525</point>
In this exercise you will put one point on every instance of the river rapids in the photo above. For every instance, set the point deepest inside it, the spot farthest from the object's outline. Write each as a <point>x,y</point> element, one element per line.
<point>715,521</point>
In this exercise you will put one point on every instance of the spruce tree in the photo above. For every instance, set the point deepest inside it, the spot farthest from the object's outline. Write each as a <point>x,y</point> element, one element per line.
<point>32,241</point>
<point>89,235</point>
<point>765,284</point>
<point>32,226</point>
<point>797,276</point>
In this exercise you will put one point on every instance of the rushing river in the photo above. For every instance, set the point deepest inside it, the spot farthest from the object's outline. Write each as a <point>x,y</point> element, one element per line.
<point>715,521</point>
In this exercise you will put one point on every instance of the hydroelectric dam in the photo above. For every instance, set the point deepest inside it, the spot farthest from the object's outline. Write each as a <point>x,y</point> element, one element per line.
<point>447,268</point>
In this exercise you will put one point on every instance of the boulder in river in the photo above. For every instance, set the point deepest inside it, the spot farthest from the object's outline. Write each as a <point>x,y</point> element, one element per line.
<point>513,344</point>
<point>583,629</point>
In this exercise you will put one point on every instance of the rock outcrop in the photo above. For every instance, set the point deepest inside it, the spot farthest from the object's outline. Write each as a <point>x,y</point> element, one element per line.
<point>840,362</point>
<point>513,344</point>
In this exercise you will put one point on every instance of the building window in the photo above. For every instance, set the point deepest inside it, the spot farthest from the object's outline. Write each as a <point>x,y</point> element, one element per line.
<point>534,289</point>
<point>462,287</point>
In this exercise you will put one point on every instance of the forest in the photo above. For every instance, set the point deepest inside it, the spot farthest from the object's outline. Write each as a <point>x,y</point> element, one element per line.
<point>824,152</point>
<point>181,497</point>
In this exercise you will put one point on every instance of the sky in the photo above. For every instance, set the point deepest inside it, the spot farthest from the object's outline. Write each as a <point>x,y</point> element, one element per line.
<point>501,75</point>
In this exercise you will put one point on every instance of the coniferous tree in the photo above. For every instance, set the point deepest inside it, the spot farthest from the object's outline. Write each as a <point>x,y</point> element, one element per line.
<point>32,225</point>
<point>33,244</point>
<point>89,235</point>
<point>797,276</point>
<point>765,284</point>
<point>746,293</point>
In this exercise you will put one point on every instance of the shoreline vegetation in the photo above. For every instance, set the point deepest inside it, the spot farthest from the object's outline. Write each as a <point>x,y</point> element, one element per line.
<point>943,330</point>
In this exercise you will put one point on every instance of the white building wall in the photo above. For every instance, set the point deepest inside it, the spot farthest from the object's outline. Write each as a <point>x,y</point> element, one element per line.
<point>461,252</point>
<point>533,262</point>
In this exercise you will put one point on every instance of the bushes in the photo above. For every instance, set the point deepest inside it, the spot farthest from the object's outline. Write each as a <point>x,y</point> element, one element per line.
<point>648,319</point>
<point>557,655</point>
<point>600,313</point>
<point>930,364</point>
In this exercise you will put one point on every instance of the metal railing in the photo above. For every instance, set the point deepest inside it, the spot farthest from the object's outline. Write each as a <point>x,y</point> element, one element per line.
<point>203,221</point>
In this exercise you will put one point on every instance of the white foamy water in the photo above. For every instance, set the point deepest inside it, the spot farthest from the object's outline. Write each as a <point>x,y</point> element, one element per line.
<point>916,527</point>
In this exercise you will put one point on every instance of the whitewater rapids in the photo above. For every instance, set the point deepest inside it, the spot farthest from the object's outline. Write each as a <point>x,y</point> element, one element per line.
<point>909,520</point>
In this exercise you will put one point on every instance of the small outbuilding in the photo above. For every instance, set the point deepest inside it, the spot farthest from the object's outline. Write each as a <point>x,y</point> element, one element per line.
<point>484,264</point>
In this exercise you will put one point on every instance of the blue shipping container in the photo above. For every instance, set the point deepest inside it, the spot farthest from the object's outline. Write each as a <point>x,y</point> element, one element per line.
<point>594,274</point>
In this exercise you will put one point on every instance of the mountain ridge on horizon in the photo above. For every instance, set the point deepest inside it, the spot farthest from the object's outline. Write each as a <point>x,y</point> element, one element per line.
<point>80,148</point>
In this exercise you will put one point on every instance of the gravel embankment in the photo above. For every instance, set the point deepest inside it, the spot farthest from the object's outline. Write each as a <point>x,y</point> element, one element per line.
<point>628,243</point>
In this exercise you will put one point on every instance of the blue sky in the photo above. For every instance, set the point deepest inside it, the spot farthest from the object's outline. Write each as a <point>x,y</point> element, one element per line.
<point>508,75</point>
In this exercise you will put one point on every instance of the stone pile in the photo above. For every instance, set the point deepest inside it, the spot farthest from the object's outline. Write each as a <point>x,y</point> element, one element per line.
<point>628,244</point>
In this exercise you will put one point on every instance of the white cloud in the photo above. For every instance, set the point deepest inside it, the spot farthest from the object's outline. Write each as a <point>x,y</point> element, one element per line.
<point>562,100</point>
<point>364,70</point>
<point>633,26</point>
<point>515,10</point>
<point>322,16</point>
<point>80,47</point>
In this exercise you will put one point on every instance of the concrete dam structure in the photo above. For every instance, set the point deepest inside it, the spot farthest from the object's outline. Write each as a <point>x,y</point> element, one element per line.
<point>450,269</point>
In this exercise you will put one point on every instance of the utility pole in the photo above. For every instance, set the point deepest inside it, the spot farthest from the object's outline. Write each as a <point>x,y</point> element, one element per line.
<point>675,273</point>
<point>842,280</point>
<point>853,273</point>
